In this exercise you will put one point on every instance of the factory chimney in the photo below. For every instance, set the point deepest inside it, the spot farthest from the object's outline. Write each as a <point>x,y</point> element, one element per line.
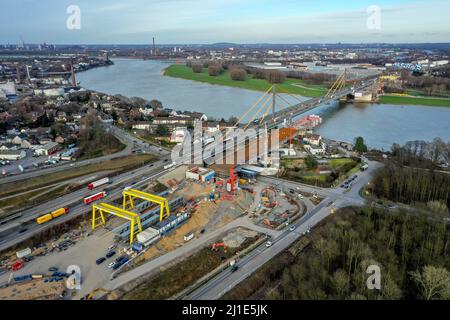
<point>74,80</point>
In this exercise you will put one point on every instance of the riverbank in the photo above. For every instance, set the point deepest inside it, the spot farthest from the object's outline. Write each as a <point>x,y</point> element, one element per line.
<point>414,100</point>
<point>292,86</point>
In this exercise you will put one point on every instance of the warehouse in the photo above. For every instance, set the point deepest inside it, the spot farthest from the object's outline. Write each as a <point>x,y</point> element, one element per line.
<point>12,154</point>
<point>200,174</point>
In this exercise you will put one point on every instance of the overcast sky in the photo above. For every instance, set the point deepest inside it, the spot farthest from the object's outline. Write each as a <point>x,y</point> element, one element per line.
<point>210,21</point>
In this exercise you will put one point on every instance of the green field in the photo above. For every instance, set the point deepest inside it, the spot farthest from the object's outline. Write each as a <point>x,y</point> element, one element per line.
<point>292,86</point>
<point>414,100</point>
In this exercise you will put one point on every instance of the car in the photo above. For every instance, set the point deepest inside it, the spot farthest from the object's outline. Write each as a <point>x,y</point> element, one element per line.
<point>111,265</point>
<point>234,268</point>
<point>343,185</point>
<point>113,246</point>
<point>23,230</point>
<point>53,269</point>
<point>100,260</point>
<point>110,254</point>
<point>292,228</point>
<point>120,259</point>
<point>268,244</point>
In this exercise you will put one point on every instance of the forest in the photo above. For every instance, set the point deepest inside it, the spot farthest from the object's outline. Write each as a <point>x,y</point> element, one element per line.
<point>412,185</point>
<point>412,253</point>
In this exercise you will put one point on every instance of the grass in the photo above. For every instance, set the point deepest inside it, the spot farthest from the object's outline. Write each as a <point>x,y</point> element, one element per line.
<point>24,200</point>
<point>183,274</point>
<point>334,163</point>
<point>116,165</point>
<point>303,88</point>
<point>415,100</point>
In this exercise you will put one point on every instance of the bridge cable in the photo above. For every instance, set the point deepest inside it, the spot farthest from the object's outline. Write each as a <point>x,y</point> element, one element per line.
<point>252,107</point>
<point>258,111</point>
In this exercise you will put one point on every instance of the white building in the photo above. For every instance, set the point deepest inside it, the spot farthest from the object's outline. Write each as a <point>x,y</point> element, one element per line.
<point>12,154</point>
<point>316,149</point>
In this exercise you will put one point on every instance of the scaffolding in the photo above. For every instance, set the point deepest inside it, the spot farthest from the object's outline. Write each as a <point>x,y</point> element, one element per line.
<point>103,208</point>
<point>131,194</point>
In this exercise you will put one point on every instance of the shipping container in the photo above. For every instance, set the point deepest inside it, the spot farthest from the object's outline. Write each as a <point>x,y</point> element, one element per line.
<point>59,212</point>
<point>94,197</point>
<point>44,218</point>
<point>98,183</point>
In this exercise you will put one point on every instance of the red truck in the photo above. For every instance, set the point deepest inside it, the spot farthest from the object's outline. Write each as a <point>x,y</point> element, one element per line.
<point>98,183</point>
<point>94,197</point>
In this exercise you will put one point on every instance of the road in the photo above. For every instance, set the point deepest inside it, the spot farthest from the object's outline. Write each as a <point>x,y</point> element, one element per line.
<point>10,233</point>
<point>130,142</point>
<point>226,280</point>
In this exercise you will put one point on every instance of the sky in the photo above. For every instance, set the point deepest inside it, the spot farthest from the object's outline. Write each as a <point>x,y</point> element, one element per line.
<point>237,21</point>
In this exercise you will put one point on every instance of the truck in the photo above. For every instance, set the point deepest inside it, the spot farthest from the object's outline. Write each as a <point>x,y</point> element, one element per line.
<point>52,215</point>
<point>94,197</point>
<point>167,166</point>
<point>98,183</point>
<point>23,253</point>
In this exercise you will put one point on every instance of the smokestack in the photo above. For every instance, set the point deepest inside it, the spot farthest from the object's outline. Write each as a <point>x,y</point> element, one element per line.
<point>17,73</point>
<point>28,72</point>
<point>74,80</point>
<point>154,47</point>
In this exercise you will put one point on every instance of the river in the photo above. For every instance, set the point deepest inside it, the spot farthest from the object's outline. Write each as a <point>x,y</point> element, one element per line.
<point>380,125</point>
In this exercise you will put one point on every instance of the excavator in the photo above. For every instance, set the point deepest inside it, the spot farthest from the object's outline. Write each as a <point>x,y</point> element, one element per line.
<point>91,295</point>
<point>216,246</point>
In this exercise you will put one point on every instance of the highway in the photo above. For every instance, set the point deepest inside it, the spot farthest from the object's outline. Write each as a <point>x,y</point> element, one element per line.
<point>11,233</point>
<point>226,280</point>
<point>130,142</point>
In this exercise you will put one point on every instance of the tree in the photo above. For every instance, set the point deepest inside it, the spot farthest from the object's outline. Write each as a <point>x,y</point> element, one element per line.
<point>434,282</point>
<point>214,70</point>
<point>360,146</point>
<point>275,76</point>
<point>156,104</point>
<point>162,130</point>
<point>310,162</point>
<point>238,74</point>
<point>340,283</point>
<point>197,68</point>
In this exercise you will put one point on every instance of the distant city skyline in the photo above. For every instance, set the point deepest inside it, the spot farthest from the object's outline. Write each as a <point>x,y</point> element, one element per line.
<point>235,21</point>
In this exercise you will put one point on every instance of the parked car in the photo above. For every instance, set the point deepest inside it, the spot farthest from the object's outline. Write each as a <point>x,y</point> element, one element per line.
<point>100,260</point>
<point>234,268</point>
<point>292,228</point>
<point>110,254</point>
<point>111,265</point>
<point>53,269</point>
<point>268,244</point>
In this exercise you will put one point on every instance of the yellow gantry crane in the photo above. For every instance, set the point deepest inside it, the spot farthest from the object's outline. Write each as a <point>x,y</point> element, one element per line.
<point>131,194</point>
<point>103,208</point>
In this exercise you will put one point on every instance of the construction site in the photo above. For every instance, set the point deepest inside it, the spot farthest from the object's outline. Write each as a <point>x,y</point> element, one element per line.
<point>141,225</point>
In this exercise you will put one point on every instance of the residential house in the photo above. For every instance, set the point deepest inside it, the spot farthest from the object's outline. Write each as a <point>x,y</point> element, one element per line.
<point>142,125</point>
<point>25,144</point>
<point>313,139</point>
